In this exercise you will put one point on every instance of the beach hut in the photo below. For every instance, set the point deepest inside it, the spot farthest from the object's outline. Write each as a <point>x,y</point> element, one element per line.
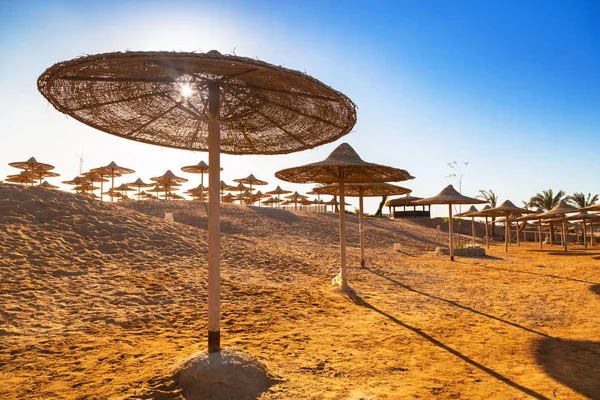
<point>407,201</point>
<point>449,196</point>
<point>342,166</point>
<point>362,190</point>
<point>188,99</point>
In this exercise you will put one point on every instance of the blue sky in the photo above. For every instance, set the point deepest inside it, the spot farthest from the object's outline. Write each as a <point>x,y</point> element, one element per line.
<point>513,87</point>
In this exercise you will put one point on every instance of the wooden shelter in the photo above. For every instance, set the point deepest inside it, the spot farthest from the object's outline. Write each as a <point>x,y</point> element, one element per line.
<point>404,202</point>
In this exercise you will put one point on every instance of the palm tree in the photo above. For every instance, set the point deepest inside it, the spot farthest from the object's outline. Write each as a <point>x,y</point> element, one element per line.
<point>492,198</point>
<point>579,200</point>
<point>379,212</point>
<point>546,200</point>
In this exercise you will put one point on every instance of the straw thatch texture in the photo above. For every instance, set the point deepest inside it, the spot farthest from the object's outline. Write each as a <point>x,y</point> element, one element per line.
<point>31,164</point>
<point>363,189</point>
<point>264,109</point>
<point>342,164</point>
<point>402,201</point>
<point>449,195</point>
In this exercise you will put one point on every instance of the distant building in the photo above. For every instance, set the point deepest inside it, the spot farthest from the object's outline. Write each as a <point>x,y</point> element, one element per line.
<point>404,203</point>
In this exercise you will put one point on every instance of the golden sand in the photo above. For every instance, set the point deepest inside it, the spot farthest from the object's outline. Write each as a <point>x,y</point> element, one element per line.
<point>101,300</point>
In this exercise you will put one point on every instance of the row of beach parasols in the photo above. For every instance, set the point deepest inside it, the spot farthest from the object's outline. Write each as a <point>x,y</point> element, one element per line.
<point>220,104</point>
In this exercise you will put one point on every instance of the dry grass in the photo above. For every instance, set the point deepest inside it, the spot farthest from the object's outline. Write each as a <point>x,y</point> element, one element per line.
<point>100,301</point>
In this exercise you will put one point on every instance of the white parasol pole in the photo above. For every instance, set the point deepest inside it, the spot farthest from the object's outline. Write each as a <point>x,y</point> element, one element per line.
<point>361,226</point>
<point>214,220</point>
<point>343,235</point>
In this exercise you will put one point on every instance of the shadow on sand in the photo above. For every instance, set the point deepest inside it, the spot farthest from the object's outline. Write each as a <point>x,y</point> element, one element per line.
<point>360,302</point>
<point>535,273</point>
<point>595,289</point>
<point>276,213</point>
<point>574,363</point>
<point>458,305</point>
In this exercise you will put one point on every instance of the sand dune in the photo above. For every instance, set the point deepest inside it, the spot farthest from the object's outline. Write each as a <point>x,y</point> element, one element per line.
<point>101,300</point>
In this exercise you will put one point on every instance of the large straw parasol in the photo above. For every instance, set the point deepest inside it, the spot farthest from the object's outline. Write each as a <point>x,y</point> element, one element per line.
<point>362,190</point>
<point>506,209</point>
<point>200,168</point>
<point>342,166</point>
<point>111,170</point>
<point>560,211</point>
<point>595,207</point>
<point>168,180</point>
<point>449,196</point>
<point>184,100</point>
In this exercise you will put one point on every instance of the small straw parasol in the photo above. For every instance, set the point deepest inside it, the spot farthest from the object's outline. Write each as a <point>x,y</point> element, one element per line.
<point>95,177</point>
<point>111,170</point>
<point>449,196</point>
<point>48,185</point>
<point>197,193</point>
<point>123,189</point>
<point>362,190</point>
<point>31,164</point>
<point>595,207</point>
<point>294,199</point>
<point>583,217</point>
<point>168,180</point>
<point>251,180</point>
<point>139,184</point>
<point>200,168</point>
<point>225,187</point>
<point>468,213</point>
<point>85,188</point>
<point>534,215</point>
<point>481,213</point>
<point>242,188</point>
<point>228,198</point>
<point>24,178</point>
<point>184,100</point>
<point>278,191</point>
<point>271,201</point>
<point>560,211</point>
<point>506,209</point>
<point>342,166</point>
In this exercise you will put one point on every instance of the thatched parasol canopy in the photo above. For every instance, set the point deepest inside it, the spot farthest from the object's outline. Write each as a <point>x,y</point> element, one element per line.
<point>200,101</point>
<point>595,207</point>
<point>560,209</point>
<point>124,188</point>
<point>200,168</point>
<point>23,178</point>
<point>78,180</point>
<point>31,165</point>
<point>251,180</point>
<point>402,201</point>
<point>449,196</point>
<point>139,183</point>
<point>468,213</point>
<point>278,191</point>
<point>113,170</point>
<point>48,185</point>
<point>228,198</point>
<point>162,98</point>
<point>343,166</point>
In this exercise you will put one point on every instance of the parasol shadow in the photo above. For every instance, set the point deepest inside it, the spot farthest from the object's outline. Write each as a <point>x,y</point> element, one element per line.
<point>574,363</point>
<point>356,299</point>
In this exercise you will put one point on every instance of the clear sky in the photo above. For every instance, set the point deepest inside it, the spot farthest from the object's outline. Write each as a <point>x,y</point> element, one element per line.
<point>512,87</point>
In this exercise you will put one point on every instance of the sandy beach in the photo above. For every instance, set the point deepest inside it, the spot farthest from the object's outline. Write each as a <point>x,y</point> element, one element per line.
<point>101,300</point>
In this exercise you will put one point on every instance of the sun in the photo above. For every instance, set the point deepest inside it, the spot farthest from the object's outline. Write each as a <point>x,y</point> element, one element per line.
<point>185,90</point>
